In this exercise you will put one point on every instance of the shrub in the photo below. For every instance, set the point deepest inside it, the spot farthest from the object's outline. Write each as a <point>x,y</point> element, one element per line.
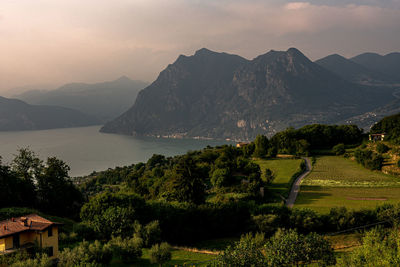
<point>379,248</point>
<point>160,253</point>
<point>128,250</point>
<point>267,223</point>
<point>86,254</point>
<point>382,148</point>
<point>288,247</point>
<point>339,149</point>
<point>246,252</point>
<point>40,260</point>
<point>398,163</point>
<point>269,176</point>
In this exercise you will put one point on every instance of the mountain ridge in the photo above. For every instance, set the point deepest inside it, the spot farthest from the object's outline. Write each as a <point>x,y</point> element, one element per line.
<point>219,95</point>
<point>105,100</point>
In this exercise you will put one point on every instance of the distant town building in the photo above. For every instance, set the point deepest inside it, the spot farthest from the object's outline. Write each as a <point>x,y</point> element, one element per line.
<point>377,137</point>
<point>26,231</point>
<point>242,144</point>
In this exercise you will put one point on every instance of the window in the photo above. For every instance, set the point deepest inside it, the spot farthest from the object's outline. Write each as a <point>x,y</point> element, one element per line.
<point>50,231</point>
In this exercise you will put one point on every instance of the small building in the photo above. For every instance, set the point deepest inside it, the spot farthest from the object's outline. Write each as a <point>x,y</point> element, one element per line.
<point>377,137</point>
<point>241,144</point>
<point>26,231</point>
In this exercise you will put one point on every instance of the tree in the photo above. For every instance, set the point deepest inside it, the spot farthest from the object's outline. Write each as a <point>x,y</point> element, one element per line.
<point>55,190</point>
<point>28,167</point>
<point>160,253</point>
<point>339,149</point>
<point>261,146</point>
<point>379,248</point>
<point>287,247</point>
<point>220,177</point>
<point>86,254</point>
<point>382,148</point>
<point>269,176</point>
<point>113,213</point>
<point>246,252</point>
<point>127,250</point>
<point>186,183</point>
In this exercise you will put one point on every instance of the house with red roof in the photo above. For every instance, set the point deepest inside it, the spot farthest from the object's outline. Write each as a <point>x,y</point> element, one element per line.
<point>28,230</point>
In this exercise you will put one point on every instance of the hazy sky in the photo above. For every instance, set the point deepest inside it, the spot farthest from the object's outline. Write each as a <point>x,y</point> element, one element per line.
<point>51,42</point>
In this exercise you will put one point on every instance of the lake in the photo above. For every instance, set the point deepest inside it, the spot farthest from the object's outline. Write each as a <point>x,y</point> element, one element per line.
<point>85,149</point>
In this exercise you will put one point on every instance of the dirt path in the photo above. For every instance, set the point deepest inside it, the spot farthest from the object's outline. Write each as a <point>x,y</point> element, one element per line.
<point>296,185</point>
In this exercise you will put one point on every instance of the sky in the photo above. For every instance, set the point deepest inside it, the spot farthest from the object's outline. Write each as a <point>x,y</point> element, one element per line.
<point>47,43</point>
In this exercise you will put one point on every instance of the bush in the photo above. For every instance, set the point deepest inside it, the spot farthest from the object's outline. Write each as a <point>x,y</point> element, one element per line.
<point>290,248</point>
<point>160,253</point>
<point>398,163</point>
<point>246,252</point>
<point>86,254</point>
<point>269,176</point>
<point>40,260</point>
<point>382,148</point>
<point>379,248</point>
<point>128,250</point>
<point>368,159</point>
<point>339,149</point>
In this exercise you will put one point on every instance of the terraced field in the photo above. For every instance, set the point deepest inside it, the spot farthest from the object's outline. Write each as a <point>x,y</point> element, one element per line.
<point>284,169</point>
<point>336,181</point>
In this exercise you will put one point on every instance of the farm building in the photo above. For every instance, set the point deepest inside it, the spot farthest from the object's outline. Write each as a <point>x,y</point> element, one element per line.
<point>377,137</point>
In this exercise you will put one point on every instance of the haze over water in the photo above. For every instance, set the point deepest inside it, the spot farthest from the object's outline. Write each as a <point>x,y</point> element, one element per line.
<point>85,149</point>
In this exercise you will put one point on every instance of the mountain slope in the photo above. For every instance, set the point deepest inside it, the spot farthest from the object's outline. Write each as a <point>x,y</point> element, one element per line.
<point>104,101</point>
<point>352,71</point>
<point>388,64</point>
<point>16,115</point>
<point>217,95</point>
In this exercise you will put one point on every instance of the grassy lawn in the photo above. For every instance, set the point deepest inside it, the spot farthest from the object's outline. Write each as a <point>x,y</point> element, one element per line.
<point>283,170</point>
<point>179,257</point>
<point>336,181</point>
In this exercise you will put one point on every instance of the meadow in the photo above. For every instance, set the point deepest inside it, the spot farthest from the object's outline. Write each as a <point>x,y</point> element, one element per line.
<point>180,257</point>
<point>339,182</point>
<point>283,169</point>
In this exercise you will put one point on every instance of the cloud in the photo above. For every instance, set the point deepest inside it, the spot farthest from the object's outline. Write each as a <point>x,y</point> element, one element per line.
<point>297,5</point>
<point>47,41</point>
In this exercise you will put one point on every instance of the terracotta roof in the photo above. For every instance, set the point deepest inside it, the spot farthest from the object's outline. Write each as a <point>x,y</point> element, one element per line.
<point>31,222</point>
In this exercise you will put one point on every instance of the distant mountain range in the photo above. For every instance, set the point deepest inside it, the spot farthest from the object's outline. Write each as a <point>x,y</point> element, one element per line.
<point>16,115</point>
<point>104,101</point>
<point>218,95</point>
<point>354,72</point>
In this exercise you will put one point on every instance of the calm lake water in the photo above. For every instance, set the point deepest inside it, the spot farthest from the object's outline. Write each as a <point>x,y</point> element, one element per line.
<point>84,149</point>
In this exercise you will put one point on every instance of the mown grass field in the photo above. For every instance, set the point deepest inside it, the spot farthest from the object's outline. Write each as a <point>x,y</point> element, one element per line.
<point>179,258</point>
<point>283,169</point>
<point>337,182</point>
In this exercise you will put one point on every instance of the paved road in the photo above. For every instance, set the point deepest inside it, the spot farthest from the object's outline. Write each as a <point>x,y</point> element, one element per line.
<point>296,185</point>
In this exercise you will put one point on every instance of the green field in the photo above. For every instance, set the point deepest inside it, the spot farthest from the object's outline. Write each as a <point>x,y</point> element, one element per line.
<point>179,258</point>
<point>283,169</point>
<point>336,181</point>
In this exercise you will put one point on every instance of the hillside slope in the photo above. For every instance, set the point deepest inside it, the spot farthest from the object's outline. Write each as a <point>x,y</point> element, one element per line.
<point>16,115</point>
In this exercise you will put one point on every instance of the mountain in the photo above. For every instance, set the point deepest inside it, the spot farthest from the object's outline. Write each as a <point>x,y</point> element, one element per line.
<point>388,64</point>
<point>218,95</point>
<point>353,72</point>
<point>104,101</point>
<point>16,115</point>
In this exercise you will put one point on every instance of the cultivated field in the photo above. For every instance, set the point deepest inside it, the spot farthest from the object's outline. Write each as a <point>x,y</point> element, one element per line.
<point>283,169</point>
<point>336,181</point>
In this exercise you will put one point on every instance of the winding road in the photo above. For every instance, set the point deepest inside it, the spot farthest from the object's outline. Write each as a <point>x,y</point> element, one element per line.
<point>296,185</point>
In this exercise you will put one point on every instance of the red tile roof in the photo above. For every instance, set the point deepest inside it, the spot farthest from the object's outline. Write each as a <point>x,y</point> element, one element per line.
<point>31,222</point>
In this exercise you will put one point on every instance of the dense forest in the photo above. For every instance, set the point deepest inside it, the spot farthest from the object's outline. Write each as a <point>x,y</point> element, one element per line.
<point>216,192</point>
